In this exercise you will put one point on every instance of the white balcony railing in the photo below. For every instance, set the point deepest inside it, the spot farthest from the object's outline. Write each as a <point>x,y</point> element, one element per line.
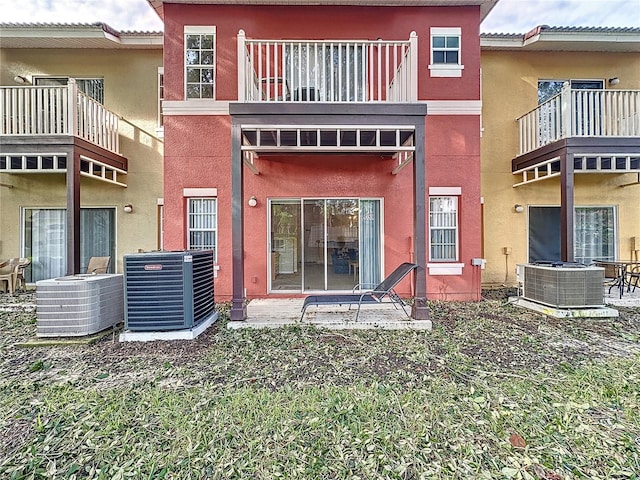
<point>581,113</point>
<point>59,110</point>
<point>327,70</point>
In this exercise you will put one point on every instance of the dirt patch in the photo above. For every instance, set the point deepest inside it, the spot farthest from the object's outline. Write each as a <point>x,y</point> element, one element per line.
<point>491,335</point>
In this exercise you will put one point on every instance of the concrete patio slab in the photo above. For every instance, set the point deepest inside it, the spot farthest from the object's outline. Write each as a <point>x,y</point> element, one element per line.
<point>184,334</point>
<point>278,312</point>
<point>612,300</point>
<point>629,299</point>
<point>595,312</point>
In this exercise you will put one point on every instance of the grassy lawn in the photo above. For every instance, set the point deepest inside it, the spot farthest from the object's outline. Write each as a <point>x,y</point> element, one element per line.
<point>492,392</point>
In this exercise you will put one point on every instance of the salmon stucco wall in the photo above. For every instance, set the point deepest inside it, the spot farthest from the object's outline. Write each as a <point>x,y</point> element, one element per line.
<point>198,148</point>
<point>322,22</point>
<point>453,160</point>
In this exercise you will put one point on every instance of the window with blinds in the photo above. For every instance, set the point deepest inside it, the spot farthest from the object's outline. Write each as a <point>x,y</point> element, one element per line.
<point>443,228</point>
<point>203,224</point>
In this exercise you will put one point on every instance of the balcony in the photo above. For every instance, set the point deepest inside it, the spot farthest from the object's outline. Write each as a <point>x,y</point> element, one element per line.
<point>40,127</point>
<point>580,113</point>
<point>327,71</point>
<point>598,129</point>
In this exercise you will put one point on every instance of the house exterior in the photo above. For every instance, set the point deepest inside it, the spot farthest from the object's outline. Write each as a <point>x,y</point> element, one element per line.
<point>79,141</point>
<point>560,147</point>
<point>317,145</point>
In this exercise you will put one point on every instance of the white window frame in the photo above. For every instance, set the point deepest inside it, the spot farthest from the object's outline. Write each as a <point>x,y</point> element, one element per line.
<point>455,227</point>
<point>81,82</point>
<point>160,124</point>
<point>213,228</point>
<point>445,69</point>
<point>200,30</point>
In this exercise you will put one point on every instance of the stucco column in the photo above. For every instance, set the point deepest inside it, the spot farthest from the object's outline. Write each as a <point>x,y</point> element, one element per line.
<point>73,212</point>
<point>566,208</point>
<point>419,311</point>
<point>238,307</point>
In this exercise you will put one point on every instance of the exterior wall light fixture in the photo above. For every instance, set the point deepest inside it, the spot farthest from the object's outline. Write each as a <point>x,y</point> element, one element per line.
<point>253,201</point>
<point>20,79</point>
<point>614,81</point>
<point>518,208</point>
<point>128,208</point>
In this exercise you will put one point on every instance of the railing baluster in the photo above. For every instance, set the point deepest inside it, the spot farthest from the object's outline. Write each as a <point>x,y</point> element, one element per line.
<point>260,76</point>
<point>332,77</point>
<point>386,70</point>
<point>275,71</point>
<point>339,86</point>
<point>365,72</point>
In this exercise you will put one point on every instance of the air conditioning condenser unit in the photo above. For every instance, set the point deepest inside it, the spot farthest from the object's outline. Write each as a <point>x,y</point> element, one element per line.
<point>563,285</point>
<point>78,305</point>
<point>168,290</point>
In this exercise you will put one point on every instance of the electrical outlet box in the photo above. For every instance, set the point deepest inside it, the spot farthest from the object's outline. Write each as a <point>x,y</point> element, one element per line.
<point>478,262</point>
<point>506,250</point>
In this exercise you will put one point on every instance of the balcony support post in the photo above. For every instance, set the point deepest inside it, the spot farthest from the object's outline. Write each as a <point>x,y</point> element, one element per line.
<point>413,71</point>
<point>71,122</point>
<point>73,212</point>
<point>566,109</point>
<point>242,66</point>
<point>238,304</point>
<point>566,208</point>
<point>420,310</point>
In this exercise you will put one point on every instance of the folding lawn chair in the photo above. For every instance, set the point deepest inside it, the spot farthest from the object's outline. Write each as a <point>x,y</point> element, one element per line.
<point>383,292</point>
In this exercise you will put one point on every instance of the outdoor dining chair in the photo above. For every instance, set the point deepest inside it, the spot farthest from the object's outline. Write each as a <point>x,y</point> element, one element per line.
<point>8,274</point>
<point>98,264</point>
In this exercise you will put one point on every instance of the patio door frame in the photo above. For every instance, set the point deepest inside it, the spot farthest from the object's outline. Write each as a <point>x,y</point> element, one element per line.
<point>551,235</point>
<point>83,246</point>
<point>301,241</point>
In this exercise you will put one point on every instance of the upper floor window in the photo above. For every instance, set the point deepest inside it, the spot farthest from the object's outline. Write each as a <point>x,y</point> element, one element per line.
<point>446,52</point>
<point>93,87</point>
<point>200,60</point>
<point>160,96</point>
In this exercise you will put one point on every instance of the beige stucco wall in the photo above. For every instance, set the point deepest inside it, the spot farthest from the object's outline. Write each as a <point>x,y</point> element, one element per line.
<point>510,80</point>
<point>130,90</point>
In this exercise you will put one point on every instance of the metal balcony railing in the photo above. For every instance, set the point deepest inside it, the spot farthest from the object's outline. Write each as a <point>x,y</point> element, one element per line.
<point>580,113</point>
<point>327,70</point>
<point>58,110</point>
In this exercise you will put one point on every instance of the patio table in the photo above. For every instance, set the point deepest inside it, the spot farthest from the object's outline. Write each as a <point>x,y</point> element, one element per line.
<point>618,271</point>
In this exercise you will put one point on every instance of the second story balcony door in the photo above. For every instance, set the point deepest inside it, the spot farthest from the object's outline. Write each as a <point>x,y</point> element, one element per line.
<point>587,111</point>
<point>326,72</point>
<point>92,87</point>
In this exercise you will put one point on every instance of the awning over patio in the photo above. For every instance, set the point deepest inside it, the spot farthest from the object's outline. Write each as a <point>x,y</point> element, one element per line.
<point>391,130</point>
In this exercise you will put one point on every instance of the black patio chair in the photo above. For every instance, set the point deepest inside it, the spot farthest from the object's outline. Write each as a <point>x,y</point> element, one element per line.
<point>384,292</point>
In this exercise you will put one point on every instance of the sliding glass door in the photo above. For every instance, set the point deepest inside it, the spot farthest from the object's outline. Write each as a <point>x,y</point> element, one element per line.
<point>45,239</point>
<point>594,234</point>
<point>324,244</point>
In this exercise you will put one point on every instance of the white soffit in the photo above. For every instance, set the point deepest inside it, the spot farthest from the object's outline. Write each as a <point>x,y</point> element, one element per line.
<point>573,39</point>
<point>485,5</point>
<point>94,35</point>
